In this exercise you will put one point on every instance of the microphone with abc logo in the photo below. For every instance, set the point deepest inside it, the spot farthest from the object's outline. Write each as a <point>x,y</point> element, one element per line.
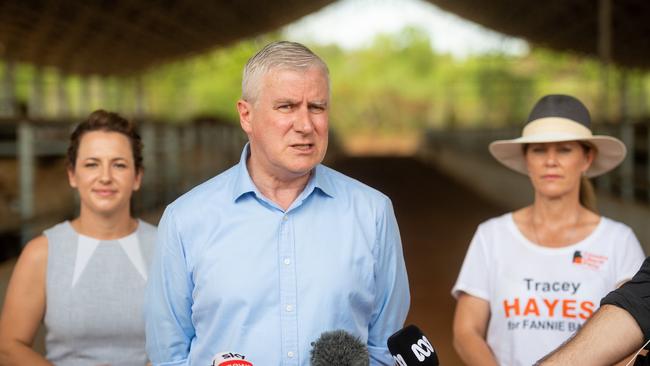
<point>409,346</point>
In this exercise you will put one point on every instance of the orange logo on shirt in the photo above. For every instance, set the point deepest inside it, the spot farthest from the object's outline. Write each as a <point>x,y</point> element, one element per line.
<point>589,260</point>
<point>577,257</point>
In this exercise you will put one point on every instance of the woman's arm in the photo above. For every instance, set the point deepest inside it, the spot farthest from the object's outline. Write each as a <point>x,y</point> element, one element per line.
<point>470,328</point>
<point>24,307</point>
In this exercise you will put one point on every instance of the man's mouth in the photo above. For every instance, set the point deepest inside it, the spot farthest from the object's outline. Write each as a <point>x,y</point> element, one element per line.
<point>303,147</point>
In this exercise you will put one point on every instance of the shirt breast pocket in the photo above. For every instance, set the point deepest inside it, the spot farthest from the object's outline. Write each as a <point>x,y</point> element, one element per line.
<point>337,271</point>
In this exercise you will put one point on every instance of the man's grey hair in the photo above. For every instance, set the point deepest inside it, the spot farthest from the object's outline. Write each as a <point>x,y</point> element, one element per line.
<point>277,55</point>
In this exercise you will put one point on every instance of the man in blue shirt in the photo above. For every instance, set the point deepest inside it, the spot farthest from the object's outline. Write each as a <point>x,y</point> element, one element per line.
<point>263,258</point>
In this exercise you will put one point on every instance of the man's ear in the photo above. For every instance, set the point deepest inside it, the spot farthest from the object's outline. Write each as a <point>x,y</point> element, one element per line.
<point>245,110</point>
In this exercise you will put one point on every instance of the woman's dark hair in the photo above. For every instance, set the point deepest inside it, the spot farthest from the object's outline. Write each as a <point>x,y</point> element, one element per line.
<point>101,120</point>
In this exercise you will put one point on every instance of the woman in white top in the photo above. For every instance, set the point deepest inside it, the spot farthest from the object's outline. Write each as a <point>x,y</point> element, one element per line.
<point>532,277</point>
<point>85,278</point>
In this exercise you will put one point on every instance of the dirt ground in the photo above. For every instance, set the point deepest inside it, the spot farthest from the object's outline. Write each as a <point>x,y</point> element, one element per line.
<point>437,218</point>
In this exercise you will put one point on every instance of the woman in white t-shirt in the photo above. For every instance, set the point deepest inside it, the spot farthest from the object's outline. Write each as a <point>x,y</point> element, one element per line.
<point>532,277</point>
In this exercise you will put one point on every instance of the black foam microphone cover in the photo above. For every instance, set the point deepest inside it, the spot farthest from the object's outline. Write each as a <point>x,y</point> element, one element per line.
<point>409,346</point>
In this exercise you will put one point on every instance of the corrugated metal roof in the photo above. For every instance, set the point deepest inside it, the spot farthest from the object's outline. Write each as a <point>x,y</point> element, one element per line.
<point>125,36</point>
<point>565,24</point>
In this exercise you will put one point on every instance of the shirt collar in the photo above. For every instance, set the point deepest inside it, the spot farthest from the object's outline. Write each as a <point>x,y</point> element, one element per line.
<point>244,184</point>
<point>320,180</point>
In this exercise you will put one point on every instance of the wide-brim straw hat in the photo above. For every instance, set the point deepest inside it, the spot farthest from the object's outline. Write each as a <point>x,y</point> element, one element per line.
<point>557,118</point>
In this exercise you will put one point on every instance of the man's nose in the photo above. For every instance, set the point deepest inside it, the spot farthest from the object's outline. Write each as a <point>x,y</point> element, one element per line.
<point>303,123</point>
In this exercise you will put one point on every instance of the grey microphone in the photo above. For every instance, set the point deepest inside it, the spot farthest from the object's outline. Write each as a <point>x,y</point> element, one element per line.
<point>339,348</point>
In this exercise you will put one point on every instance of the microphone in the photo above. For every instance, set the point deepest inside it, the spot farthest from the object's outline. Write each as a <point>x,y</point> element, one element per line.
<point>409,346</point>
<point>230,359</point>
<point>339,348</point>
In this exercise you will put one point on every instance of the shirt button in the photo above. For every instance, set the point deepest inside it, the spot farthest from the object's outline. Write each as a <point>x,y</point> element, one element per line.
<point>290,354</point>
<point>289,308</point>
<point>287,261</point>
<point>285,218</point>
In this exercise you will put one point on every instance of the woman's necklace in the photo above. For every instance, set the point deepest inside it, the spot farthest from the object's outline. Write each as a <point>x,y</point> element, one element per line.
<point>569,237</point>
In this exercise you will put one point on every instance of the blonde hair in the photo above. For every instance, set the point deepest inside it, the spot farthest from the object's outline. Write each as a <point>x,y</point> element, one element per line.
<point>588,195</point>
<point>587,191</point>
<point>281,54</point>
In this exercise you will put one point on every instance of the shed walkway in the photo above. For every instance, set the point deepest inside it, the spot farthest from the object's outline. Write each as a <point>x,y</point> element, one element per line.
<point>437,218</point>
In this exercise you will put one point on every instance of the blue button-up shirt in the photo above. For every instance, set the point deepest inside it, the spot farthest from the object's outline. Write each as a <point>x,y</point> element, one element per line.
<point>234,272</point>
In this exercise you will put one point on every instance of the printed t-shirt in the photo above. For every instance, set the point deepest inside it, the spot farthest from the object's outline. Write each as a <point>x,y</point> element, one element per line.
<point>539,296</point>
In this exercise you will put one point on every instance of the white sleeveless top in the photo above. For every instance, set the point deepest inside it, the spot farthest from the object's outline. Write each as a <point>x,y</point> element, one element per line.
<point>94,297</point>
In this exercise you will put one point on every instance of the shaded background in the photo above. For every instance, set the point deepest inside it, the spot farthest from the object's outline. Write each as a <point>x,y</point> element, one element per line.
<point>417,93</point>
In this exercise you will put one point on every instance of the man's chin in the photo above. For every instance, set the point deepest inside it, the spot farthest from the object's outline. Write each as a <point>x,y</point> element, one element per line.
<point>298,173</point>
<point>301,170</point>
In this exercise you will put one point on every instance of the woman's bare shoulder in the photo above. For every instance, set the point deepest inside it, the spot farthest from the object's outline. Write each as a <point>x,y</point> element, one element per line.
<point>35,252</point>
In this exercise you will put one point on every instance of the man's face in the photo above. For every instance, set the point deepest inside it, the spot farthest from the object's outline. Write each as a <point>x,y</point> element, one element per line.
<point>287,124</point>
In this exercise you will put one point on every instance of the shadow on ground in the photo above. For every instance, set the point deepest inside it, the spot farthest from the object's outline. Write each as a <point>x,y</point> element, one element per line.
<point>437,218</point>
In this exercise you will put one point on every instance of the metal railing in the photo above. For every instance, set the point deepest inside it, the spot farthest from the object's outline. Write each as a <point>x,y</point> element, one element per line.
<point>630,181</point>
<point>176,158</point>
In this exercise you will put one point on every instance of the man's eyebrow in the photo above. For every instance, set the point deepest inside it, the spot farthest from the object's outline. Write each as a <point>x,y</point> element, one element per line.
<point>320,103</point>
<point>284,100</point>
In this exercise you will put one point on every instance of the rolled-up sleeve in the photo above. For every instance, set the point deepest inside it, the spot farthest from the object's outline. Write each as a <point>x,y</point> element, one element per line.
<point>634,297</point>
<point>168,298</point>
<point>392,298</point>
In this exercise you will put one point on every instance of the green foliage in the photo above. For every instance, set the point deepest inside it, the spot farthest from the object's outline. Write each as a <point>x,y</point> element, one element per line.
<point>208,84</point>
<point>398,83</point>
